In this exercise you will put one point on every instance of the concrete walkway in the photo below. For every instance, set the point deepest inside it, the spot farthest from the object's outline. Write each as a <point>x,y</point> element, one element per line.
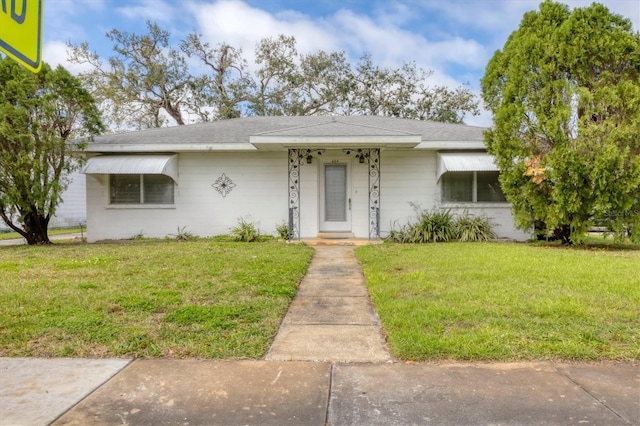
<point>21,241</point>
<point>199,392</point>
<point>331,318</point>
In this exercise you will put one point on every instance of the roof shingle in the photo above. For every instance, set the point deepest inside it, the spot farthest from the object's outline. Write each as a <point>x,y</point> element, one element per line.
<point>239,130</point>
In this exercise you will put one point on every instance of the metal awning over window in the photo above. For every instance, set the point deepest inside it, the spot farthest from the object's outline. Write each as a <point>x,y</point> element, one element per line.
<point>465,162</point>
<point>156,164</point>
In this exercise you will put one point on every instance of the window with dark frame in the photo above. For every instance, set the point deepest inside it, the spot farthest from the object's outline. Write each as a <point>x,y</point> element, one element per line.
<point>472,187</point>
<point>141,189</point>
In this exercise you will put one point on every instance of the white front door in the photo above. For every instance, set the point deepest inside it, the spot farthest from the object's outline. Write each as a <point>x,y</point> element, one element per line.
<point>335,197</point>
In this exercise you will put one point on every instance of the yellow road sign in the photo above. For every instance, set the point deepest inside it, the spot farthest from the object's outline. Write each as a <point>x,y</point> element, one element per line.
<point>21,31</point>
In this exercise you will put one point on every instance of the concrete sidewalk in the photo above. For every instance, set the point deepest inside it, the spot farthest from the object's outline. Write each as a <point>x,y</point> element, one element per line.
<point>353,381</point>
<point>21,241</point>
<point>331,318</point>
<point>197,392</point>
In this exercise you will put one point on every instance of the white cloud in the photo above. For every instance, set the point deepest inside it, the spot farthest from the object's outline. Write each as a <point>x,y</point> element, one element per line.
<point>241,25</point>
<point>484,119</point>
<point>380,34</point>
<point>149,10</point>
<point>453,38</point>
<point>54,53</point>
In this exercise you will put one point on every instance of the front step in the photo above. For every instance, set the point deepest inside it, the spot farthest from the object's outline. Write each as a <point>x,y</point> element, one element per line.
<point>335,235</point>
<point>339,241</point>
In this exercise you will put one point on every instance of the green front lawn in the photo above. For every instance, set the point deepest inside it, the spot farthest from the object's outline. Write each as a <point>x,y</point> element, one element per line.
<point>489,301</point>
<point>146,298</point>
<point>211,299</point>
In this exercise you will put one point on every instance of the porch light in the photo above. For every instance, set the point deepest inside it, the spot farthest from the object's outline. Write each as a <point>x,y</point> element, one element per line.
<point>361,159</point>
<point>309,159</point>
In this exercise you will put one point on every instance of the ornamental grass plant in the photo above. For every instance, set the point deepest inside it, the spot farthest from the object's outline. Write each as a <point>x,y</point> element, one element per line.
<point>438,225</point>
<point>470,228</point>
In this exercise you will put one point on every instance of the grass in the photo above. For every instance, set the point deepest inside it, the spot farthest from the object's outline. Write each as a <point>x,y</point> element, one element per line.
<point>10,235</point>
<point>491,301</point>
<point>609,242</point>
<point>144,298</point>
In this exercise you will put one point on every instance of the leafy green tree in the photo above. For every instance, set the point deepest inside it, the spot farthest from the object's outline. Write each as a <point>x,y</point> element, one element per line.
<point>289,83</point>
<point>228,85</point>
<point>326,83</point>
<point>145,81</point>
<point>277,75</point>
<point>565,97</point>
<point>403,92</point>
<point>148,80</point>
<point>39,114</point>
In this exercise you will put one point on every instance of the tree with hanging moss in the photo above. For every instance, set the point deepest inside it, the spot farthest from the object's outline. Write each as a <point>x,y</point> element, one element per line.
<point>145,82</point>
<point>565,96</point>
<point>148,80</point>
<point>39,114</point>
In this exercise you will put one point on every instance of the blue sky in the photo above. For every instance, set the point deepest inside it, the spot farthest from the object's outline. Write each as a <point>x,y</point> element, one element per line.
<point>454,38</point>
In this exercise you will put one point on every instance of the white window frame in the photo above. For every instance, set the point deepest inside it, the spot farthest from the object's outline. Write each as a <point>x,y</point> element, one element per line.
<point>474,191</point>
<point>142,203</point>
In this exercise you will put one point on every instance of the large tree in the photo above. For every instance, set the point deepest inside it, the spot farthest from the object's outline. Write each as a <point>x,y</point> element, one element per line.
<point>227,84</point>
<point>39,114</point>
<point>403,92</point>
<point>290,83</point>
<point>148,80</point>
<point>565,97</point>
<point>145,82</point>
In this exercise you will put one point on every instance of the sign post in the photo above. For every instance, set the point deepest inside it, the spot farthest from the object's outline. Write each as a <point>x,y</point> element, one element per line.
<point>21,31</point>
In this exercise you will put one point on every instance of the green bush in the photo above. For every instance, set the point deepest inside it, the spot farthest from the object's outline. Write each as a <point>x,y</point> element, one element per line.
<point>398,235</point>
<point>473,228</point>
<point>441,226</point>
<point>246,231</point>
<point>283,231</point>
<point>434,226</point>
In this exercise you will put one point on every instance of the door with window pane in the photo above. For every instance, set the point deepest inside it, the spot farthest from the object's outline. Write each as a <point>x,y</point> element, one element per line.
<point>335,201</point>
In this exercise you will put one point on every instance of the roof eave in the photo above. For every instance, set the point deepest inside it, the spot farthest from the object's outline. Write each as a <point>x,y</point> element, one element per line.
<point>174,147</point>
<point>265,143</point>
<point>276,143</point>
<point>453,145</point>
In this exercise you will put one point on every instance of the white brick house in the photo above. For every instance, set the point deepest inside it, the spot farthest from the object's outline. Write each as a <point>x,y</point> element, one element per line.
<point>357,176</point>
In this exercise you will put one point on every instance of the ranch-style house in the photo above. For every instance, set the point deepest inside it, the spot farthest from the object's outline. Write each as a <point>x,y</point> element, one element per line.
<point>323,176</point>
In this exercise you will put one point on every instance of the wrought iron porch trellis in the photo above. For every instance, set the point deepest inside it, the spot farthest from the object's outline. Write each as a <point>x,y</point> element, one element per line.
<point>374,193</point>
<point>294,194</point>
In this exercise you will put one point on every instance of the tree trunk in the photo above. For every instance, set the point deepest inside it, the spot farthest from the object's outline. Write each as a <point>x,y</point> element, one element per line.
<point>563,233</point>
<point>36,228</point>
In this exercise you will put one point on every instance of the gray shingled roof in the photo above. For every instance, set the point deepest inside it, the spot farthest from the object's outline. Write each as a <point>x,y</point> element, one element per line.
<point>239,130</point>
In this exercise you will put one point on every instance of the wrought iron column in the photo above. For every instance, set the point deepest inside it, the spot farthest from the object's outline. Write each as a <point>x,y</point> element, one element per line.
<point>294,194</point>
<point>374,193</point>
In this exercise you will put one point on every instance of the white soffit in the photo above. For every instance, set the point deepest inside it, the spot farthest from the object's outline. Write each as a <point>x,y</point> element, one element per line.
<point>452,145</point>
<point>165,164</point>
<point>269,143</point>
<point>465,162</point>
<point>181,147</point>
